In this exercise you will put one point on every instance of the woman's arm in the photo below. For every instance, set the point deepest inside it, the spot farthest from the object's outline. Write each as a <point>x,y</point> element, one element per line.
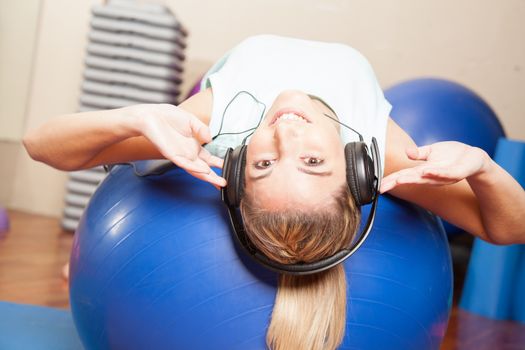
<point>457,182</point>
<point>147,131</point>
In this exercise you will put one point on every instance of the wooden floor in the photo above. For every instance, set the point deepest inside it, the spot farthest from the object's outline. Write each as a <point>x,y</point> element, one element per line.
<point>32,255</point>
<point>35,249</point>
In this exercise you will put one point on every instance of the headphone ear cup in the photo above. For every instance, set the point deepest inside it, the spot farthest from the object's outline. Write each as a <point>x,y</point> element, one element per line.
<point>359,172</point>
<point>234,165</point>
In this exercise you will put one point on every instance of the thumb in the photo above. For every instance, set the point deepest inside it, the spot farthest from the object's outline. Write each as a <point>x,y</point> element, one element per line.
<point>418,153</point>
<point>200,130</point>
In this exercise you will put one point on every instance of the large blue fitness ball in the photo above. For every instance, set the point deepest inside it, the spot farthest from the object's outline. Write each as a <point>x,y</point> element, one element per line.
<point>432,110</point>
<point>154,266</point>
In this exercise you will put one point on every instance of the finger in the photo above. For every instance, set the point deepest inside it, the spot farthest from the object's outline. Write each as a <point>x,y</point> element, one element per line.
<point>212,178</point>
<point>390,181</point>
<point>200,130</point>
<point>407,175</point>
<point>397,174</point>
<point>197,165</point>
<point>419,153</point>
<point>404,177</point>
<point>216,162</point>
<point>181,150</point>
<point>210,159</point>
<point>434,172</point>
<point>413,180</point>
<point>409,179</point>
<point>418,177</point>
<point>386,186</point>
<point>442,173</point>
<point>390,185</point>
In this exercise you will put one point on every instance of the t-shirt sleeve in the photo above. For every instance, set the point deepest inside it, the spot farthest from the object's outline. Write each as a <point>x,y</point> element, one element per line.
<point>367,108</point>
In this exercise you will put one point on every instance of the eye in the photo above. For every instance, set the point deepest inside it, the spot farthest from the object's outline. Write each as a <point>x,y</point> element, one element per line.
<point>263,164</point>
<point>312,161</point>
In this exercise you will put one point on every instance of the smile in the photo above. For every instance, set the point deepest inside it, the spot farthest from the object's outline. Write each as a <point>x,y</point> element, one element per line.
<point>289,114</point>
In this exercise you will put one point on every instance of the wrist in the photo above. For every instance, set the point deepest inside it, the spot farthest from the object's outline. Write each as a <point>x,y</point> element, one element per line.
<point>485,174</point>
<point>132,119</point>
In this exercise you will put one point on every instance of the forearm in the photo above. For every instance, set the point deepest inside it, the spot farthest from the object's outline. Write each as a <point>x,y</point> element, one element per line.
<point>469,189</point>
<point>70,142</point>
<point>84,140</point>
<point>501,200</point>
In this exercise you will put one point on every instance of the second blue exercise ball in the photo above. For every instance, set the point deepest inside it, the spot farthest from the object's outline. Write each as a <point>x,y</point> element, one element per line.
<point>432,110</point>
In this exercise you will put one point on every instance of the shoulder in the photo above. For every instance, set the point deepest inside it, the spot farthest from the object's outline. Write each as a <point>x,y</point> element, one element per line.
<point>200,105</point>
<point>397,141</point>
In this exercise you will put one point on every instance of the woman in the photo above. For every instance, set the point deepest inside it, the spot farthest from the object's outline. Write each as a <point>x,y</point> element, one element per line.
<point>296,206</point>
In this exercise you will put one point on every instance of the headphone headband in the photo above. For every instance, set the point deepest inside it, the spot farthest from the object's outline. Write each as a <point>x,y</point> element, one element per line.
<point>230,199</point>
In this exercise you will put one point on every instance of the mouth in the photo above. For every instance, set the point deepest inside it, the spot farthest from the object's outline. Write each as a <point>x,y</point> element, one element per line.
<point>290,114</point>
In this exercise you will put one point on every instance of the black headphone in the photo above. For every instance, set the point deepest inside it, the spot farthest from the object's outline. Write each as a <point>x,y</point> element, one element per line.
<point>363,176</point>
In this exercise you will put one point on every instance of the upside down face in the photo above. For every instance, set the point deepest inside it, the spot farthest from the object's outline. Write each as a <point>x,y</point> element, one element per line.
<point>295,158</point>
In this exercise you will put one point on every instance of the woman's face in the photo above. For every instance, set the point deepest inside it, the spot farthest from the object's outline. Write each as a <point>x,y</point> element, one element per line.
<point>295,158</point>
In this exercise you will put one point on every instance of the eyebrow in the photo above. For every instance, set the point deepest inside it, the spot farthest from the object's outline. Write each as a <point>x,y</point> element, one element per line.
<point>316,173</point>
<point>303,170</point>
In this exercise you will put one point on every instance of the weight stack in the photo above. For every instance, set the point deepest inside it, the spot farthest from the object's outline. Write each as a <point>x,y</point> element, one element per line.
<point>135,54</point>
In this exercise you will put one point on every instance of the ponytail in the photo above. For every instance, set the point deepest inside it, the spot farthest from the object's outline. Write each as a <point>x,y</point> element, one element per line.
<point>309,312</point>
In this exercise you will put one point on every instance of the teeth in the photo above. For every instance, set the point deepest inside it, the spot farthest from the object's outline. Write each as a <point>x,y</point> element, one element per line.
<point>291,116</point>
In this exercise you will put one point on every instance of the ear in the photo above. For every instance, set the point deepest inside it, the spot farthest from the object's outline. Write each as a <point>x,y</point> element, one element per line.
<point>359,172</point>
<point>233,172</point>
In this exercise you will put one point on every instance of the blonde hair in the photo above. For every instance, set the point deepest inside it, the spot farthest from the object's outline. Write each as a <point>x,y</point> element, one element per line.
<point>309,311</point>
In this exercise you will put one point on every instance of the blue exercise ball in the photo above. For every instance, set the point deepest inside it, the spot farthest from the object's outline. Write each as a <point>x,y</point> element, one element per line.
<point>432,110</point>
<point>154,266</point>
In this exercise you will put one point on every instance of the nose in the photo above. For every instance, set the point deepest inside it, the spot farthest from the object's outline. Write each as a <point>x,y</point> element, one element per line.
<point>287,135</point>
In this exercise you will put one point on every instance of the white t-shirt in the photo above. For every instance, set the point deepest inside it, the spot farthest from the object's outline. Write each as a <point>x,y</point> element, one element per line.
<point>265,65</point>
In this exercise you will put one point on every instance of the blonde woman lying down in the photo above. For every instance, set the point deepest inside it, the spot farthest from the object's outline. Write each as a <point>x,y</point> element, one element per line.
<point>293,95</point>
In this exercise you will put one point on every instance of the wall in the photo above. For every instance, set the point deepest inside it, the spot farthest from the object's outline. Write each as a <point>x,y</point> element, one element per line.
<point>18,32</point>
<point>54,89</point>
<point>477,43</point>
<point>18,29</point>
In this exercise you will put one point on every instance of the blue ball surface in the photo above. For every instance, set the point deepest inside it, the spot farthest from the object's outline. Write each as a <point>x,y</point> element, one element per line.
<point>432,110</point>
<point>154,266</point>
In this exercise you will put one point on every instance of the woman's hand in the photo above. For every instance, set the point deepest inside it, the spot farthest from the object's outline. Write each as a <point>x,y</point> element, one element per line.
<point>178,135</point>
<point>146,131</point>
<point>443,163</point>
